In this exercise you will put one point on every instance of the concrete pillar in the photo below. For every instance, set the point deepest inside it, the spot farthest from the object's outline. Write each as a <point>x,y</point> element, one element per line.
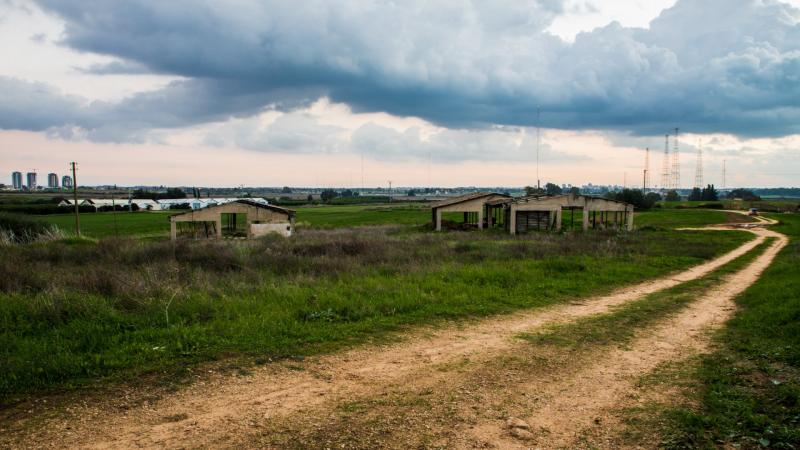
<point>586,213</point>
<point>173,230</point>
<point>630,219</point>
<point>218,225</point>
<point>513,220</point>
<point>480,218</point>
<point>558,219</point>
<point>489,217</point>
<point>438,219</point>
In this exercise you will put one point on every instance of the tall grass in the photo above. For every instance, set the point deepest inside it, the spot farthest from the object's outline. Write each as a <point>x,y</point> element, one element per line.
<point>18,229</point>
<point>76,311</point>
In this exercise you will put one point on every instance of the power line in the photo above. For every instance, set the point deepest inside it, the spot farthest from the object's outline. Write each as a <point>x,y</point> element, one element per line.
<point>75,199</point>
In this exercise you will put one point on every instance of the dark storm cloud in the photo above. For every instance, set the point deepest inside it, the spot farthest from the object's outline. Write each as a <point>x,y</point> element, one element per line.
<point>706,65</point>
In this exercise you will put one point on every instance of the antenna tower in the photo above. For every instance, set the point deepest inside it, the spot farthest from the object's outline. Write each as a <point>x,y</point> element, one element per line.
<point>724,173</point>
<point>698,171</point>
<point>646,177</point>
<point>676,164</point>
<point>665,175</point>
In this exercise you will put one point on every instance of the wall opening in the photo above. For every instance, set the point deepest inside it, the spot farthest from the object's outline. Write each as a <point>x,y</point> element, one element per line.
<point>533,221</point>
<point>196,230</point>
<point>234,225</point>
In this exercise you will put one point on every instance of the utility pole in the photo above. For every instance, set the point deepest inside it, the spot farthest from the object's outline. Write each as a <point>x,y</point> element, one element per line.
<point>390,191</point>
<point>645,178</point>
<point>724,161</point>
<point>665,173</point>
<point>75,199</point>
<point>114,209</point>
<point>430,162</point>
<point>538,144</point>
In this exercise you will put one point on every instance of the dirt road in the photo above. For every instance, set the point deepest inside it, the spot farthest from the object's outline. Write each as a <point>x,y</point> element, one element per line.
<point>307,397</point>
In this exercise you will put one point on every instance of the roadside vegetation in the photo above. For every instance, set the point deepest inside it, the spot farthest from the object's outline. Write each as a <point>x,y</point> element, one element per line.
<point>73,312</point>
<point>19,229</point>
<point>621,325</point>
<point>747,392</point>
<point>473,391</point>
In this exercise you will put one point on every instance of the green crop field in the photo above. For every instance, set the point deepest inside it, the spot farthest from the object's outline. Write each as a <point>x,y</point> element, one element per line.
<point>108,224</point>
<point>156,224</point>
<point>351,216</point>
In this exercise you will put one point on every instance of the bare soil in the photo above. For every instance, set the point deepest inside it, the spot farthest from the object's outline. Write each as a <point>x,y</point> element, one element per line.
<point>280,400</point>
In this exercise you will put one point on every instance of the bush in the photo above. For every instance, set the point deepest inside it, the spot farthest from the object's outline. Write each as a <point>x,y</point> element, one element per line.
<point>635,197</point>
<point>20,229</point>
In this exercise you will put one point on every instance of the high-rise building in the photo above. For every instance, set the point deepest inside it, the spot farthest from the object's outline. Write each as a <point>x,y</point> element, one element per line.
<point>52,181</point>
<point>16,180</point>
<point>66,182</point>
<point>31,181</point>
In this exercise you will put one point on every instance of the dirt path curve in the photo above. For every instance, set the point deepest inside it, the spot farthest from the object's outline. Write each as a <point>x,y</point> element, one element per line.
<point>224,405</point>
<point>575,406</point>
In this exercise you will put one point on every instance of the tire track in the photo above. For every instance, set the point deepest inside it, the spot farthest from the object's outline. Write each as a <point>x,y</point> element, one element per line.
<point>208,412</point>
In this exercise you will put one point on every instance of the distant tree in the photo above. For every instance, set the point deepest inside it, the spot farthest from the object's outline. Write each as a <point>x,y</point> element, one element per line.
<point>172,193</point>
<point>574,190</point>
<point>180,206</point>
<point>696,195</point>
<point>552,189</point>
<point>328,195</point>
<point>635,197</point>
<point>710,194</point>
<point>310,198</point>
<point>286,190</point>
<point>141,193</point>
<point>652,197</point>
<point>530,190</point>
<point>673,196</point>
<point>411,193</point>
<point>744,194</point>
<point>347,193</point>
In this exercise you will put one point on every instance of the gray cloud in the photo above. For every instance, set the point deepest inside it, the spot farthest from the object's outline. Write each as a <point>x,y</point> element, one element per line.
<point>706,65</point>
<point>289,133</point>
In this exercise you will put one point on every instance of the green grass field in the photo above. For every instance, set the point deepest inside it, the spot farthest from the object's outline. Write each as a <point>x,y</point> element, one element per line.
<point>101,225</point>
<point>75,312</point>
<point>156,224</point>
<point>748,391</point>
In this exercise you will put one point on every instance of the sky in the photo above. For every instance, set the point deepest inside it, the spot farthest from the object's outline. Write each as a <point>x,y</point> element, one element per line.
<point>352,93</point>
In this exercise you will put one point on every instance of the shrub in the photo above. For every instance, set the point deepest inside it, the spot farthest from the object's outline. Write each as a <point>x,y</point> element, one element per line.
<point>20,229</point>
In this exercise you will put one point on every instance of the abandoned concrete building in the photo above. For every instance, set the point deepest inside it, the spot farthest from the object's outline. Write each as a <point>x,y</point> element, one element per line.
<point>472,206</point>
<point>536,212</point>
<point>237,219</point>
